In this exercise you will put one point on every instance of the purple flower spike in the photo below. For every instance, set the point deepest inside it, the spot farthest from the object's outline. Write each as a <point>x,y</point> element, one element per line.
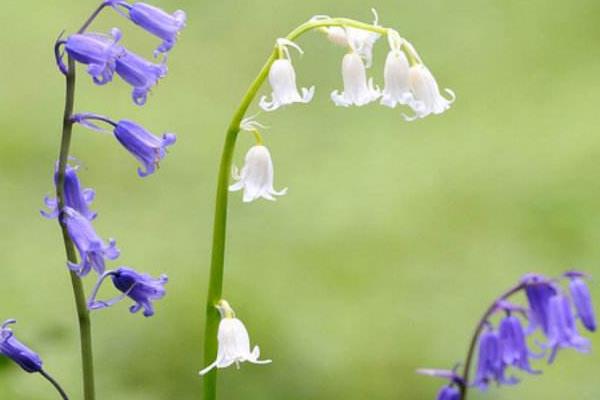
<point>490,366</point>
<point>141,288</point>
<point>92,249</point>
<point>75,197</point>
<point>449,393</point>
<point>514,344</point>
<point>562,330</point>
<point>144,146</point>
<point>98,51</point>
<point>17,351</point>
<point>539,291</point>
<point>583,302</point>
<point>139,73</point>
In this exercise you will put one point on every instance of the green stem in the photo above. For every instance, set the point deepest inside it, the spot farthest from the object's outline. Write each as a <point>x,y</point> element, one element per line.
<point>215,287</point>
<point>54,383</point>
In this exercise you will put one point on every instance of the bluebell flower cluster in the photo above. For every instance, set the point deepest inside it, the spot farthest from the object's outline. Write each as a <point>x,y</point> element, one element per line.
<point>551,311</point>
<point>104,55</point>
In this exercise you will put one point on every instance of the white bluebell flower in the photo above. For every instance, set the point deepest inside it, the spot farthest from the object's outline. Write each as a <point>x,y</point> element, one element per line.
<point>357,90</point>
<point>427,97</point>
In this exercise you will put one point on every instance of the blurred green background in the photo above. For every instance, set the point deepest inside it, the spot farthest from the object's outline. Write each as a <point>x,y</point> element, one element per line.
<point>393,238</point>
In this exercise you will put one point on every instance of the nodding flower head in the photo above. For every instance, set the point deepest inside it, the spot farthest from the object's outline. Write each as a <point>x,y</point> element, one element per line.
<point>427,97</point>
<point>92,249</point>
<point>562,331</point>
<point>357,91</point>
<point>490,365</point>
<point>449,393</point>
<point>234,345</point>
<point>282,78</point>
<point>580,293</point>
<point>98,51</point>
<point>539,291</point>
<point>396,75</point>
<point>17,351</point>
<point>141,288</point>
<point>75,197</point>
<point>159,23</point>
<point>143,145</point>
<point>256,177</point>
<point>514,344</point>
<point>140,73</point>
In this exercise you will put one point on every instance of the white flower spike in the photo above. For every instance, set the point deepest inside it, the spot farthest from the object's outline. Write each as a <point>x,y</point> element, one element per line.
<point>396,74</point>
<point>427,97</point>
<point>282,78</point>
<point>256,177</point>
<point>234,342</point>
<point>357,91</point>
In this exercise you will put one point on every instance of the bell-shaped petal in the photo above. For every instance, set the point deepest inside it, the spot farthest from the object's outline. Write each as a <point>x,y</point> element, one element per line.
<point>583,302</point>
<point>357,91</point>
<point>17,351</point>
<point>539,291</point>
<point>427,97</point>
<point>449,393</point>
<point>141,288</point>
<point>233,346</point>
<point>92,249</point>
<point>98,51</point>
<point>75,197</point>
<point>140,73</point>
<point>143,145</point>
<point>256,177</point>
<point>562,331</point>
<point>514,344</point>
<point>490,366</point>
<point>282,78</point>
<point>396,75</point>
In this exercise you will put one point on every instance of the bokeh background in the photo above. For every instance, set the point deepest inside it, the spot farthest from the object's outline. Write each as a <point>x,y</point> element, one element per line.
<point>393,238</point>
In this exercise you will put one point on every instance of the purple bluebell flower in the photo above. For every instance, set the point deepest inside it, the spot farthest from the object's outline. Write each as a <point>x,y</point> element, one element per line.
<point>155,21</point>
<point>139,73</point>
<point>98,51</point>
<point>582,300</point>
<point>514,344</point>
<point>92,249</point>
<point>143,145</point>
<point>539,291</point>
<point>75,197</point>
<point>490,366</point>
<point>17,351</point>
<point>562,331</point>
<point>449,393</point>
<point>141,288</point>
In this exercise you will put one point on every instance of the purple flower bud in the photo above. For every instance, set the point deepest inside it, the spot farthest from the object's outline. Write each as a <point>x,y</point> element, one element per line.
<point>98,51</point>
<point>539,291</point>
<point>514,344</point>
<point>583,303</point>
<point>75,197</point>
<point>17,351</point>
<point>92,249</point>
<point>144,146</point>
<point>490,366</point>
<point>139,73</point>
<point>562,332</point>
<point>449,393</point>
<point>141,288</point>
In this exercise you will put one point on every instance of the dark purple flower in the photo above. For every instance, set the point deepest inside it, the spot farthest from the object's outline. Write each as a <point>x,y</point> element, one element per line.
<point>582,300</point>
<point>98,51</point>
<point>514,344</point>
<point>449,393</point>
<point>75,197</point>
<point>490,366</point>
<point>539,291</point>
<point>141,288</point>
<point>144,146</point>
<point>92,249</point>
<point>156,21</point>
<point>17,351</point>
<point>562,332</point>
<point>139,73</point>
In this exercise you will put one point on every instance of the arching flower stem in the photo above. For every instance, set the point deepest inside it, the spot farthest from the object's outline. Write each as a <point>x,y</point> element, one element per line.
<point>215,285</point>
<point>54,383</point>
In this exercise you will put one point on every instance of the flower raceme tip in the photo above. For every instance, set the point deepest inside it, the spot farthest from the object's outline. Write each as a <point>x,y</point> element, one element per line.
<point>12,348</point>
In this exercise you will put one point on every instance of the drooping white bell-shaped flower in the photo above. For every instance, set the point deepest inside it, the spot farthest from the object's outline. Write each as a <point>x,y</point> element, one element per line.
<point>396,76</point>
<point>256,177</point>
<point>282,78</point>
<point>233,346</point>
<point>427,97</point>
<point>357,90</point>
